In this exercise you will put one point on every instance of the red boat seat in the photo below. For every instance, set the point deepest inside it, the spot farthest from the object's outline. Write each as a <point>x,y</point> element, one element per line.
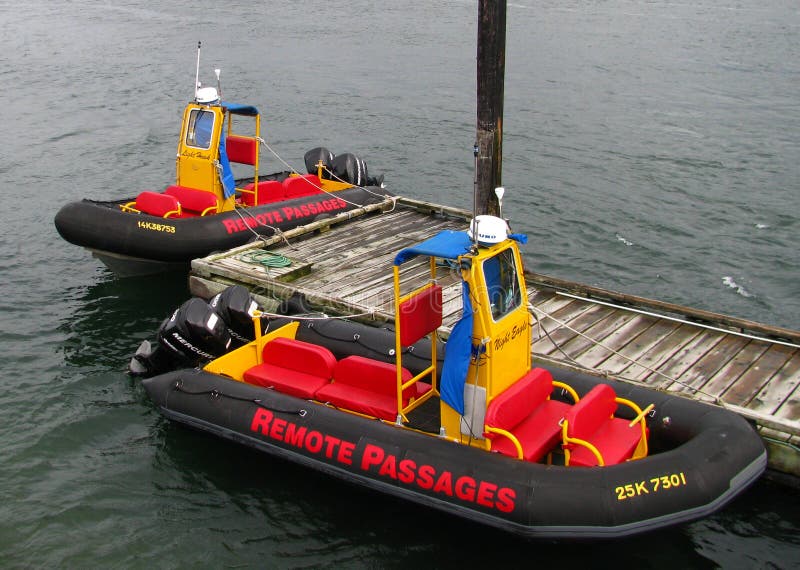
<point>420,315</point>
<point>157,204</point>
<point>592,420</point>
<point>293,367</point>
<point>306,185</point>
<point>369,387</point>
<point>193,202</point>
<point>243,150</point>
<point>268,191</point>
<point>525,410</point>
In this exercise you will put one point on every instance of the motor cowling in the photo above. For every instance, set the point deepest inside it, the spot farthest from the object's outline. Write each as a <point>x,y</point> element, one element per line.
<point>349,168</point>
<point>194,333</point>
<point>314,156</point>
<point>236,307</point>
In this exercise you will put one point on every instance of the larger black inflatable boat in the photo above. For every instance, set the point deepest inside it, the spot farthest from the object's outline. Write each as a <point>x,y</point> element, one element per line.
<point>471,428</point>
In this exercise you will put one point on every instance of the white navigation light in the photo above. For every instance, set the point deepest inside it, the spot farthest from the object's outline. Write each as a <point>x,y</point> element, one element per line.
<point>490,229</point>
<point>207,95</point>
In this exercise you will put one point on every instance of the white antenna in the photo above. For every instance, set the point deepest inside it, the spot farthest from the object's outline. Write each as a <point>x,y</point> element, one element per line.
<point>474,222</point>
<point>500,192</point>
<point>219,86</point>
<point>197,72</point>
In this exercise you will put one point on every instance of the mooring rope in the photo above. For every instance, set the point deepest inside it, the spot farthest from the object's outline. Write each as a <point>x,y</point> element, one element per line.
<point>276,231</point>
<point>334,194</point>
<point>241,210</point>
<point>268,259</point>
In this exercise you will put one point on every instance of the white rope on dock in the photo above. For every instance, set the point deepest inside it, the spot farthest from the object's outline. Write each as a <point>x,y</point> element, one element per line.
<point>677,320</point>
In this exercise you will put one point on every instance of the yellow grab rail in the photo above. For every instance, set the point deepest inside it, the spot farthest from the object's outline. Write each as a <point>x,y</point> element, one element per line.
<point>509,435</point>
<point>581,442</point>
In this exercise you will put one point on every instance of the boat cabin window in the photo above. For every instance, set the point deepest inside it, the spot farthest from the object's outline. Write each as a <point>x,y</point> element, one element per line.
<point>502,283</point>
<point>201,127</point>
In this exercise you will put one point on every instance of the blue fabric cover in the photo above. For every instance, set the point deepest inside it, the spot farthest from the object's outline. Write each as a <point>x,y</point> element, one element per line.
<point>237,109</point>
<point>447,244</point>
<point>226,174</point>
<point>457,355</point>
<point>450,244</point>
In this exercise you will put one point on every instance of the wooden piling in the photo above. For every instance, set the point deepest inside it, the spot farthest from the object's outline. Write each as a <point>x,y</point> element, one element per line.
<point>489,132</point>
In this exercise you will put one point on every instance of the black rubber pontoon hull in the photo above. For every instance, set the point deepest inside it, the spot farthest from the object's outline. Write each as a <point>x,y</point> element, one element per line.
<point>106,230</point>
<point>704,456</point>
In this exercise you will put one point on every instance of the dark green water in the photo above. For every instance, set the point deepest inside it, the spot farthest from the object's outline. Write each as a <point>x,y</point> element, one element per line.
<point>650,147</point>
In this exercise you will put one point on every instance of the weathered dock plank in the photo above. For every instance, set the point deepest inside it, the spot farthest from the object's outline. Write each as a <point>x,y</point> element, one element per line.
<point>778,391</point>
<point>730,373</point>
<point>758,375</point>
<point>620,329</point>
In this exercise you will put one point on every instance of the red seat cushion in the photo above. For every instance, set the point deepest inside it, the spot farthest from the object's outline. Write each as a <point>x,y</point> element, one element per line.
<point>292,382</point>
<point>157,204</point>
<point>297,186</point>
<point>538,433</point>
<point>294,367</point>
<point>368,386</point>
<point>591,420</point>
<point>593,410</point>
<point>268,191</point>
<point>524,410</point>
<point>243,150</point>
<point>615,440</point>
<point>520,399</point>
<point>192,199</point>
<point>420,315</point>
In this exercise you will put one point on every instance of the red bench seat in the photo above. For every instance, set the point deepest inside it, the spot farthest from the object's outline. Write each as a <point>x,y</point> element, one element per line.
<point>268,191</point>
<point>193,202</point>
<point>306,185</point>
<point>293,367</point>
<point>592,420</point>
<point>369,387</point>
<point>525,410</point>
<point>157,204</point>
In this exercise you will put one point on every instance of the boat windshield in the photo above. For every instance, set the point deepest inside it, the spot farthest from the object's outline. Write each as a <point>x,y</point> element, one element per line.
<point>502,283</point>
<point>201,127</point>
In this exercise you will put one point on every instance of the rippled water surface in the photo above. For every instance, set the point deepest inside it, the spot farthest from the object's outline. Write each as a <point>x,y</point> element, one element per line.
<point>649,147</point>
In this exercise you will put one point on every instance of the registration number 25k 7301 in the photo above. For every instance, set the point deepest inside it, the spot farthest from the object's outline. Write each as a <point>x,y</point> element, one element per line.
<point>648,486</point>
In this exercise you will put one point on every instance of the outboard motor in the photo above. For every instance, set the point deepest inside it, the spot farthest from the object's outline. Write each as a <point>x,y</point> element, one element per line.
<point>349,168</point>
<point>313,157</point>
<point>193,334</point>
<point>236,308</point>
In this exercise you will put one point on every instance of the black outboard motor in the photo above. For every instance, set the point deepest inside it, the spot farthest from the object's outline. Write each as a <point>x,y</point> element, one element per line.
<point>193,334</point>
<point>313,157</point>
<point>236,308</point>
<point>348,167</point>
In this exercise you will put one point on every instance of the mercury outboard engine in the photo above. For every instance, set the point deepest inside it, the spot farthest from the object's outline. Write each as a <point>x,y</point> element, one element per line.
<point>349,168</point>
<point>193,334</point>
<point>236,308</point>
<point>313,157</point>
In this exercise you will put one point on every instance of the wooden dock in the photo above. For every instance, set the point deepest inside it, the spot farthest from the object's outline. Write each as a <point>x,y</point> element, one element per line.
<point>342,266</point>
